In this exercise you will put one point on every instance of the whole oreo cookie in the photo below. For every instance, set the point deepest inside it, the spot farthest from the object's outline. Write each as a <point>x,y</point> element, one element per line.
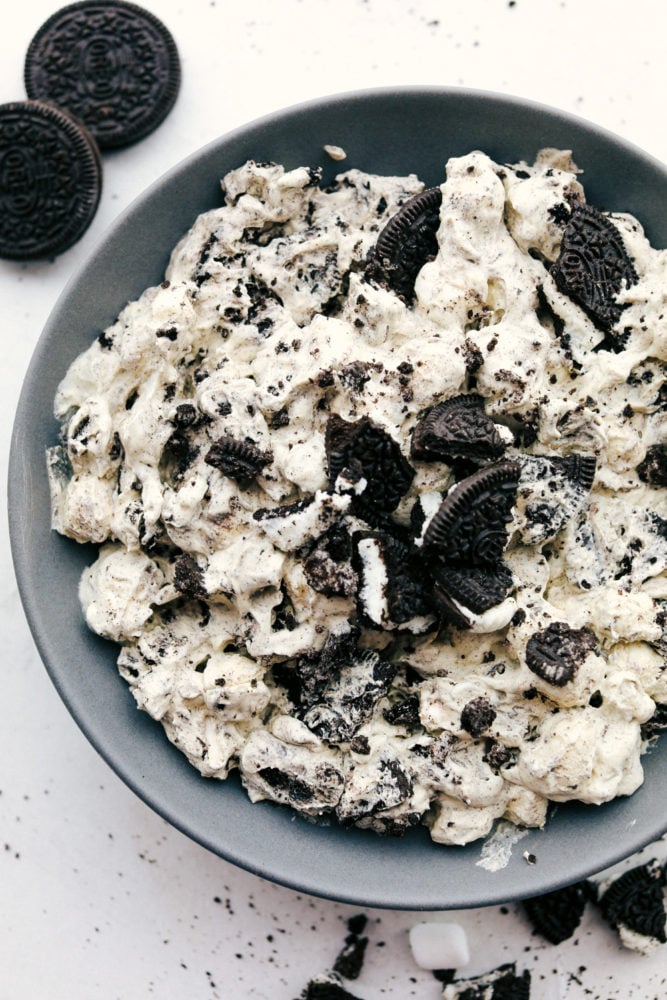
<point>457,427</point>
<point>407,242</point>
<point>593,266</point>
<point>470,526</point>
<point>112,64</point>
<point>555,653</point>
<point>50,180</point>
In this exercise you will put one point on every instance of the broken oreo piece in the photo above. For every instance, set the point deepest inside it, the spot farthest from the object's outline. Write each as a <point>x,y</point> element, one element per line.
<point>51,180</point>
<point>457,427</point>
<point>502,983</point>
<point>593,266</point>
<point>407,242</point>
<point>555,653</point>
<point>328,986</point>
<point>470,526</point>
<point>112,64</point>
<point>477,716</point>
<point>391,581</point>
<point>556,915</point>
<point>369,452</point>
<point>653,468</point>
<point>579,469</point>
<point>458,590</point>
<point>237,459</point>
<point>635,901</point>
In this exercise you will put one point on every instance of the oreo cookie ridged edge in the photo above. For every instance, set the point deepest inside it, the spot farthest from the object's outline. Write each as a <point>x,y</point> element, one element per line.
<point>50,180</point>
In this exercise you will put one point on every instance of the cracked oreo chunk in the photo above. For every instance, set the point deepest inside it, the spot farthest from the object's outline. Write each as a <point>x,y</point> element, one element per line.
<point>369,453</point>
<point>328,568</point>
<point>350,960</point>
<point>189,578</point>
<point>635,901</point>
<point>477,716</point>
<point>593,266</point>
<point>501,984</point>
<point>348,698</point>
<point>237,459</point>
<point>470,526</point>
<point>391,581</point>
<point>403,712</point>
<point>556,915</point>
<point>653,468</point>
<point>407,242</point>
<point>459,590</point>
<point>555,653</point>
<point>327,987</point>
<point>459,427</point>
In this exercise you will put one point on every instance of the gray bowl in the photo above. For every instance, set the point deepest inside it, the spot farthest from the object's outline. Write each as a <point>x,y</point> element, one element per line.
<point>385,131</point>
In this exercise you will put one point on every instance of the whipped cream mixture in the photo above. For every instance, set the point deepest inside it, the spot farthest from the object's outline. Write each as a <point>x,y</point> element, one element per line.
<point>255,446</point>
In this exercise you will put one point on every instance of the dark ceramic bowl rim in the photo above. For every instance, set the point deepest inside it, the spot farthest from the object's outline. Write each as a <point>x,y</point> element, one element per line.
<point>349,865</point>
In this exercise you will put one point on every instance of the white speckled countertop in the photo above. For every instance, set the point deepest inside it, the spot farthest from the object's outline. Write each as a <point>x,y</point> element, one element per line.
<point>100,899</point>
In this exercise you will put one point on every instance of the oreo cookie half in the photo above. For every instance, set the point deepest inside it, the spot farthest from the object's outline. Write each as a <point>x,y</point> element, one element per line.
<point>556,915</point>
<point>635,901</point>
<point>112,64</point>
<point>50,180</point>
<point>593,266</point>
<point>407,242</point>
<point>555,653</point>
<point>470,526</point>
<point>457,427</point>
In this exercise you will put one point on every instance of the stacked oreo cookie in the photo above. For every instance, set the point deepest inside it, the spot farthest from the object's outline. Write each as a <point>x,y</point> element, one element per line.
<point>99,74</point>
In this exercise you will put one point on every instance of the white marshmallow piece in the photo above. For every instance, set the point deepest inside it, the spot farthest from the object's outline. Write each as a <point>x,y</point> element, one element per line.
<point>438,945</point>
